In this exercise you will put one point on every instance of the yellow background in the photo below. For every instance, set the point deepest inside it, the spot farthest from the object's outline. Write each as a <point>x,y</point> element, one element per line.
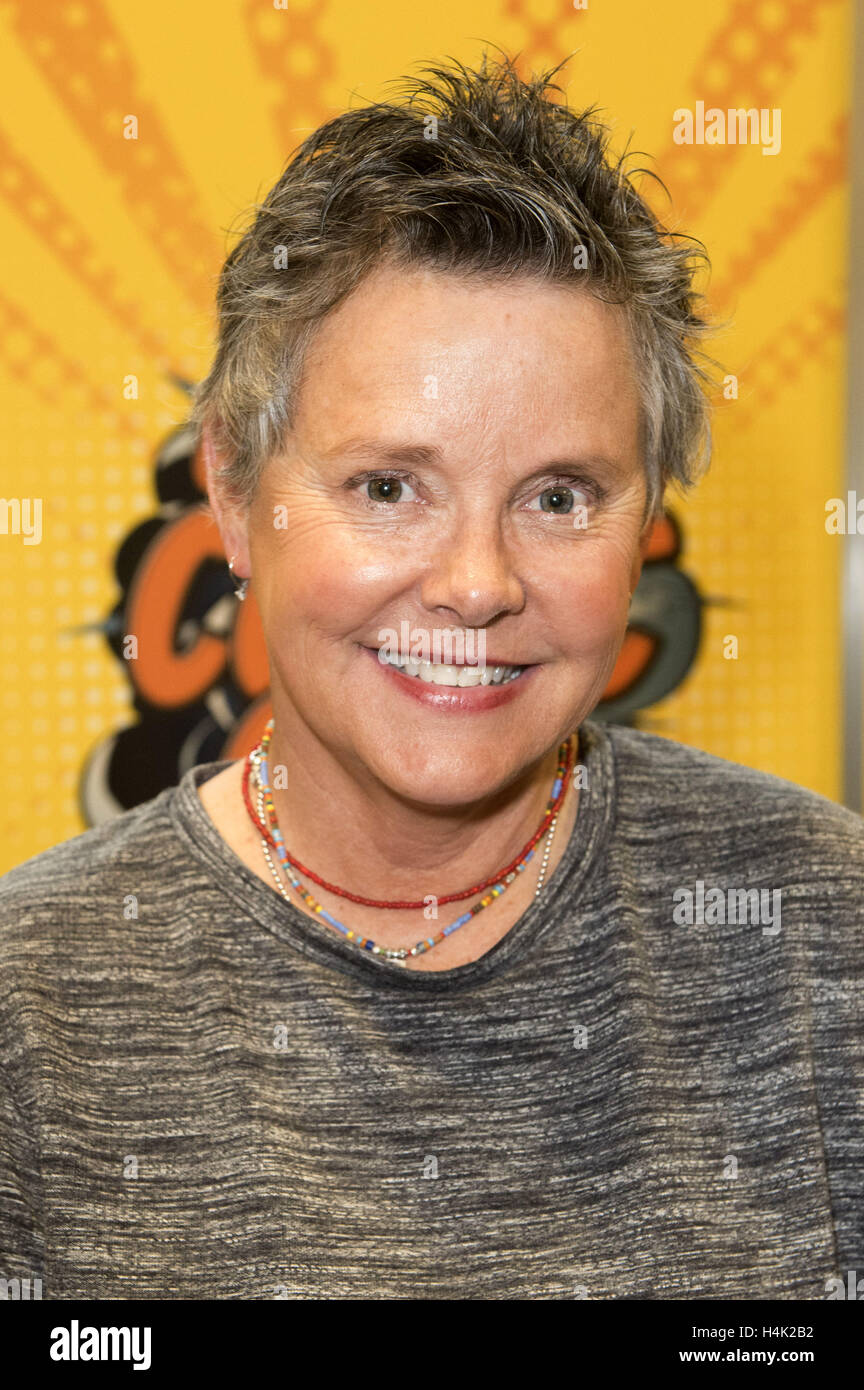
<point>114,247</point>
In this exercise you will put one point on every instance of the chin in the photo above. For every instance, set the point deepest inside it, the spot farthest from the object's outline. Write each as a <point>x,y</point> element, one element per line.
<point>441,773</point>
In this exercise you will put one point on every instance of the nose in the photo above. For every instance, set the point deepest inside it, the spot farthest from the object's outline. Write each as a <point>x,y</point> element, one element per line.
<point>473,575</point>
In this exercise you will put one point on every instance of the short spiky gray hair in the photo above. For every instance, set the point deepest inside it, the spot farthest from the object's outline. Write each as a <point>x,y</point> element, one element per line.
<point>472,172</point>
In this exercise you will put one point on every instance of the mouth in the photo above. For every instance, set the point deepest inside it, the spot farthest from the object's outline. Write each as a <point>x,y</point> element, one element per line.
<point>455,677</point>
<point>455,689</point>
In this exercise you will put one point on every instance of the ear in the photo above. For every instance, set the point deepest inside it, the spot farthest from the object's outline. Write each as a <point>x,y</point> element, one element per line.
<point>231,517</point>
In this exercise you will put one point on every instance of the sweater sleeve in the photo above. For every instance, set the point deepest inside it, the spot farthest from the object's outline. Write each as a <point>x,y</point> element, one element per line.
<point>21,1231</point>
<point>837,1035</point>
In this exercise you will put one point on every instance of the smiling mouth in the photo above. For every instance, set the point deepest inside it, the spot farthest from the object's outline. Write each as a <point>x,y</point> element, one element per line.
<point>454,676</point>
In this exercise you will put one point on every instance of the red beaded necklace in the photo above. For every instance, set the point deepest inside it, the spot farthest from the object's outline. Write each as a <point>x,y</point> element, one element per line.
<point>273,835</point>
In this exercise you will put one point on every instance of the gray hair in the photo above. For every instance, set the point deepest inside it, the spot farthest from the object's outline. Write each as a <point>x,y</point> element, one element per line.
<point>474,172</point>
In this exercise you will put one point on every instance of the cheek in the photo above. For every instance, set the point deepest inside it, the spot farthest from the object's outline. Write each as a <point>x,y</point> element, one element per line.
<point>332,584</point>
<point>594,605</point>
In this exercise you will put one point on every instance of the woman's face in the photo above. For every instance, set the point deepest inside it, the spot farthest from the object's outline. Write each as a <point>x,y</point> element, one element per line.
<point>465,457</point>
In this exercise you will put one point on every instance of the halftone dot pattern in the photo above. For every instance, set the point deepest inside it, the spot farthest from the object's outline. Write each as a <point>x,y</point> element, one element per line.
<point>754,530</point>
<point>772,706</point>
<point>64,689</point>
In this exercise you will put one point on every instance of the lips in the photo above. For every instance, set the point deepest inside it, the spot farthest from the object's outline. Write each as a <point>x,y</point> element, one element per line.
<point>449,697</point>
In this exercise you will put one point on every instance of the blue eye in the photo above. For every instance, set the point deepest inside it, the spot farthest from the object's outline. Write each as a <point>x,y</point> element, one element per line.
<point>559,499</point>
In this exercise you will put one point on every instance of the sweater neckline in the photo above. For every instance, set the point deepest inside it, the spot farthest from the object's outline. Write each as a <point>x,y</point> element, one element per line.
<point>323,945</point>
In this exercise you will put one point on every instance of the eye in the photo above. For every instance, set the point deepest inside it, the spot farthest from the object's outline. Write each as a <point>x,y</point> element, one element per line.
<point>386,487</point>
<point>560,499</point>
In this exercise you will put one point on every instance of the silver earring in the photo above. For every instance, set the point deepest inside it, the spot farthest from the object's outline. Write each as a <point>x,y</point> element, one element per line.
<point>239,589</point>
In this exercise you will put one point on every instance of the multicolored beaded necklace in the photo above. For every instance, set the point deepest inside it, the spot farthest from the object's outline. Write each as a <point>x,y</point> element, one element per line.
<point>269,830</point>
<point>257,764</point>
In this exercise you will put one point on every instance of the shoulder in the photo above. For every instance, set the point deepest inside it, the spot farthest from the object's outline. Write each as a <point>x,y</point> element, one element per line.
<point>78,888</point>
<point>694,828</point>
<point>677,788</point>
<point>93,852</point>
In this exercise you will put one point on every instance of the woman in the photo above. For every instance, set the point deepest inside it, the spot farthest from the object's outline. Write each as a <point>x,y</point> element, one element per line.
<point>448,990</point>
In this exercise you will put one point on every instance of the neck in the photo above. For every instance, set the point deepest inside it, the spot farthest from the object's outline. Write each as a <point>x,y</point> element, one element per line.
<point>347,825</point>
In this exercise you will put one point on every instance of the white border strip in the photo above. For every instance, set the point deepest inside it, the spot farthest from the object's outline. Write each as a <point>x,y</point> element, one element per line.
<point>853,567</point>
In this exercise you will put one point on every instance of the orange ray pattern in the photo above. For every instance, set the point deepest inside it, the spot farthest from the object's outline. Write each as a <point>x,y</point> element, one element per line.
<point>28,195</point>
<point>747,63</point>
<point>825,170</point>
<point>779,362</point>
<point>295,62</point>
<point>542,38</point>
<point>32,357</point>
<point>90,72</point>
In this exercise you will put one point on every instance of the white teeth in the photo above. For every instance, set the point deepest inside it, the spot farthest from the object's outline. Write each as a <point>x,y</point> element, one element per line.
<point>457,675</point>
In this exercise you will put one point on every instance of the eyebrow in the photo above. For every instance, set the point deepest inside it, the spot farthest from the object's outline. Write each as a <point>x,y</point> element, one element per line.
<point>418,455</point>
<point>394,453</point>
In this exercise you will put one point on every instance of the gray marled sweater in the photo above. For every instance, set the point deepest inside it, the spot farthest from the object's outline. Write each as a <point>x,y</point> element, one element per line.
<point>205,1094</point>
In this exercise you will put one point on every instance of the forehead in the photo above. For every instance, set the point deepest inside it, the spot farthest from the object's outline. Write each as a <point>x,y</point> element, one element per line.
<point>453,353</point>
